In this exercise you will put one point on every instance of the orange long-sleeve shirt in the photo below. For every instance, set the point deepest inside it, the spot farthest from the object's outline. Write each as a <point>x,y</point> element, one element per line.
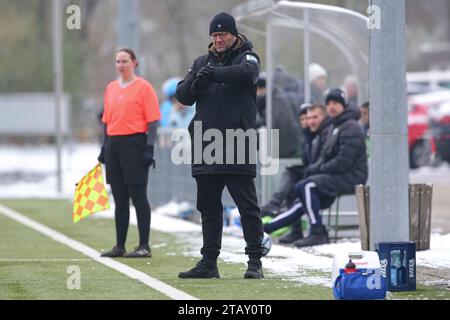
<point>128,110</point>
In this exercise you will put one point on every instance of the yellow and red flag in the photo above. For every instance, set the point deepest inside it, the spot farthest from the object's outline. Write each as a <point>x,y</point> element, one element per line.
<point>90,195</point>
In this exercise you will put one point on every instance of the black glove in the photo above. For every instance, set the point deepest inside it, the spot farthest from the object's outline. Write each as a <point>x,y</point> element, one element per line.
<point>148,156</point>
<point>101,156</point>
<point>204,72</point>
<point>311,170</point>
<point>199,85</point>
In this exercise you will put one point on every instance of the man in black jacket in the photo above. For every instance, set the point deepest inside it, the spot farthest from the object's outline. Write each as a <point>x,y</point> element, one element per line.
<point>222,83</point>
<point>342,165</point>
<point>320,126</point>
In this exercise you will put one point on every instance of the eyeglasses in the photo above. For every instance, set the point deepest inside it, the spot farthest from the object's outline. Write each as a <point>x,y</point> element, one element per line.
<point>220,35</point>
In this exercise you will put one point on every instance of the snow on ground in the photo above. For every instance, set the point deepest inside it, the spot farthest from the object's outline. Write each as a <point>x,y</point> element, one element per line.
<point>28,172</point>
<point>436,175</point>
<point>437,257</point>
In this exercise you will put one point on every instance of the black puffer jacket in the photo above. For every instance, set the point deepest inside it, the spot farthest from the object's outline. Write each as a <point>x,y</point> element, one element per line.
<point>343,160</point>
<point>228,101</point>
<point>320,139</point>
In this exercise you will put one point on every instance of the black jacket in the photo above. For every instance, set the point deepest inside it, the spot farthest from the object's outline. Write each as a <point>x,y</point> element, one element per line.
<point>343,161</point>
<point>307,139</point>
<point>294,88</point>
<point>320,139</point>
<point>283,120</point>
<point>227,101</point>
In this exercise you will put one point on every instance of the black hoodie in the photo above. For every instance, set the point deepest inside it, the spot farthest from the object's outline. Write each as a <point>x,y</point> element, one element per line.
<point>228,101</point>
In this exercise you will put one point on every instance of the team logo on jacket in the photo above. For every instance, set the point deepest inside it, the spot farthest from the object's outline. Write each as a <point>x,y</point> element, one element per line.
<point>249,57</point>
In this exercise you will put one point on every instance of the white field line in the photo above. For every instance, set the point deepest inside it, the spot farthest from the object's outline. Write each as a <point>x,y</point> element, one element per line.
<point>44,260</point>
<point>154,283</point>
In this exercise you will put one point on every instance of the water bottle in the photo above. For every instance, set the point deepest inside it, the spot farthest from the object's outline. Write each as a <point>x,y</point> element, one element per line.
<point>235,217</point>
<point>226,216</point>
<point>401,270</point>
<point>350,267</point>
<point>395,264</point>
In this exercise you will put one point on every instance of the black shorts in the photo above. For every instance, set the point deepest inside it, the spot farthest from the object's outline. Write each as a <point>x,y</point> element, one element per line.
<point>124,159</point>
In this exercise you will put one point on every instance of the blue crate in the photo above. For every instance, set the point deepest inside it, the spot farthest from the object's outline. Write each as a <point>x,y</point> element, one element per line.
<point>398,265</point>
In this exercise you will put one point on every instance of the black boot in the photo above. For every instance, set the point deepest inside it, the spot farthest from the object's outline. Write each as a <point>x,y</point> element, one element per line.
<point>254,270</point>
<point>114,252</point>
<point>293,236</point>
<point>142,251</point>
<point>318,235</point>
<point>205,269</point>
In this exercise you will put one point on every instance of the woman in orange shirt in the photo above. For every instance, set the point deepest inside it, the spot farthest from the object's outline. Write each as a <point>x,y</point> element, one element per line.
<point>130,116</point>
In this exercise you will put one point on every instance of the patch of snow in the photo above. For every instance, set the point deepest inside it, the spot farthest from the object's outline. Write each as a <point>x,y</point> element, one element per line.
<point>40,162</point>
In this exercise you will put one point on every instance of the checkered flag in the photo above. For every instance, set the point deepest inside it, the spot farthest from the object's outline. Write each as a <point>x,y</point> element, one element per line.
<point>90,195</point>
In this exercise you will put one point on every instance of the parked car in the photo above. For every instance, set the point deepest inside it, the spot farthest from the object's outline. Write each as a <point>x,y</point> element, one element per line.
<point>416,88</point>
<point>434,79</point>
<point>421,139</point>
<point>440,129</point>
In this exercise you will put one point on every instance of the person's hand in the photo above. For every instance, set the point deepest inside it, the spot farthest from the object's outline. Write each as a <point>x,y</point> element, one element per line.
<point>311,170</point>
<point>204,72</point>
<point>101,156</point>
<point>199,85</point>
<point>148,156</point>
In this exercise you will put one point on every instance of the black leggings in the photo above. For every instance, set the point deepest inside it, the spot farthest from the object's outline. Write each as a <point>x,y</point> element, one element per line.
<point>138,193</point>
<point>127,175</point>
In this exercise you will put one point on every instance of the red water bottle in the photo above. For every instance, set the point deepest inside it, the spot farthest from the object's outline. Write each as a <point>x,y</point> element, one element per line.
<point>350,267</point>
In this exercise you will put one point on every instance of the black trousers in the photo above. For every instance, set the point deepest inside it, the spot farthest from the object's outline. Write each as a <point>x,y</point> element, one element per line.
<point>209,203</point>
<point>128,176</point>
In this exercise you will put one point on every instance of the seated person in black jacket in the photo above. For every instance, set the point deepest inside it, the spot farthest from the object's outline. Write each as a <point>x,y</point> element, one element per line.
<point>319,126</point>
<point>342,165</point>
<point>291,175</point>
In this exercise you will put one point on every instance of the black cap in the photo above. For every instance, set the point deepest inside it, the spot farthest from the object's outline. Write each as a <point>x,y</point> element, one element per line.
<point>223,22</point>
<point>304,108</point>
<point>336,95</point>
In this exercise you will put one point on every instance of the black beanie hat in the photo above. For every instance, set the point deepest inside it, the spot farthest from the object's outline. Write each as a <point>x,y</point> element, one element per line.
<point>303,109</point>
<point>223,22</point>
<point>336,95</point>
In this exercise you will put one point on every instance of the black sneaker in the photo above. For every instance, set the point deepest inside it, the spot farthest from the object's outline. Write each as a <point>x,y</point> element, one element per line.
<point>271,209</point>
<point>114,252</point>
<point>205,269</point>
<point>317,236</point>
<point>142,251</point>
<point>293,236</point>
<point>254,270</point>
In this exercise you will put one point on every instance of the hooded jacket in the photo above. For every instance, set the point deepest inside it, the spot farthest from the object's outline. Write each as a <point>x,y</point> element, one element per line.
<point>226,101</point>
